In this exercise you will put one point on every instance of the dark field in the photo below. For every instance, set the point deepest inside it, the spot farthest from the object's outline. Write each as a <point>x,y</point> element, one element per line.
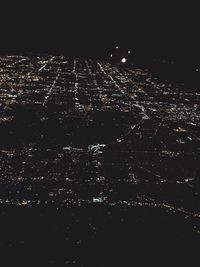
<point>99,165</point>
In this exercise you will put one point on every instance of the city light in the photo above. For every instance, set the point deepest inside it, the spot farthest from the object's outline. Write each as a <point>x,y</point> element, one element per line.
<point>123,60</point>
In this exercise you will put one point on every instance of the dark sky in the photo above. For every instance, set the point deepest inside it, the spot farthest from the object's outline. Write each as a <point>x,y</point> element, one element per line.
<point>167,30</point>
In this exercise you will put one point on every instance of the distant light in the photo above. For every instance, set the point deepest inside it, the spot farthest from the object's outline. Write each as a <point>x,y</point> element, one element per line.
<point>117,47</point>
<point>111,55</point>
<point>123,60</point>
<point>197,69</point>
<point>129,51</point>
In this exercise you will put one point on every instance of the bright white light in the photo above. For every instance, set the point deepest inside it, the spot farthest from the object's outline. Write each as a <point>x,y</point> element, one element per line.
<point>123,60</point>
<point>129,51</point>
<point>111,55</point>
<point>117,47</point>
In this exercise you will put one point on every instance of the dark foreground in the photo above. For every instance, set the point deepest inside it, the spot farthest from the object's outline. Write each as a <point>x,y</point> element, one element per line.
<point>99,165</point>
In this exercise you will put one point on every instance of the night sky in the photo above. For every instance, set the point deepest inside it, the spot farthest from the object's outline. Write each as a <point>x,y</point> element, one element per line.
<point>164,31</point>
